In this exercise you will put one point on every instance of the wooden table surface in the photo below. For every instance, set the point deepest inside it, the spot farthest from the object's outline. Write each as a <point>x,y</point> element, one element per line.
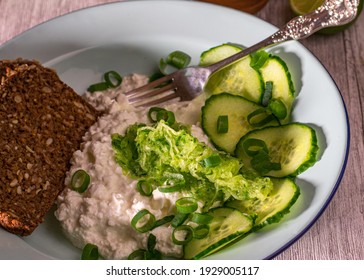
<point>339,233</point>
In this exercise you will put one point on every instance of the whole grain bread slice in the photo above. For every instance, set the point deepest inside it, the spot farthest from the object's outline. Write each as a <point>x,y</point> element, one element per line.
<point>42,121</point>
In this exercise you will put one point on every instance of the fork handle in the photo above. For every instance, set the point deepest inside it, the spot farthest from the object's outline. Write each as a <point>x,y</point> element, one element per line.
<point>300,27</point>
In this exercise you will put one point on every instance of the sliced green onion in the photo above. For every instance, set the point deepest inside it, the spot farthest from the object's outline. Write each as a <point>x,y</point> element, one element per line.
<point>253,146</point>
<point>98,87</point>
<point>172,188</point>
<point>201,231</point>
<point>166,116</point>
<point>90,252</point>
<point>139,254</point>
<point>150,254</point>
<point>179,219</point>
<point>143,221</point>
<point>155,76</point>
<point>142,254</point>
<point>80,181</point>
<point>155,255</point>
<point>212,161</point>
<point>182,234</point>
<point>162,66</point>
<point>144,188</point>
<point>163,221</point>
<point>223,124</point>
<point>111,76</point>
<point>201,218</point>
<point>260,117</point>
<point>186,205</point>
<point>156,114</point>
<point>152,113</point>
<point>267,95</point>
<point>152,241</point>
<point>278,108</point>
<point>258,59</point>
<point>178,59</point>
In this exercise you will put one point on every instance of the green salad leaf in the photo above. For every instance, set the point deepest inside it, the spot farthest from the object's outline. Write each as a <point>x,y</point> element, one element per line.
<point>165,156</point>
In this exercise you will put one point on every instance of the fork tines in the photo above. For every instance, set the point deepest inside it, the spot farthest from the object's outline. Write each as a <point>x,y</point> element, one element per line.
<point>156,92</point>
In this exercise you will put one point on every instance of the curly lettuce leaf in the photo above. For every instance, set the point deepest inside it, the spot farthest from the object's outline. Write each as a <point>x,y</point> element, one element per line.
<point>166,156</point>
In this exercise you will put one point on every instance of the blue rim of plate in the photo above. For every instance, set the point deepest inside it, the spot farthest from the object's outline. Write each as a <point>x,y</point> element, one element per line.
<point>343,166</point>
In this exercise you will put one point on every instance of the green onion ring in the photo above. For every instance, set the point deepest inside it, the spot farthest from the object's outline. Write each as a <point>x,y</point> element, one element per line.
<point>201,231</point>
<point>278,108</point>
<point>156,114</point>
<point>179,219</point>
<point>222,124</point>
<point>80,181</point>
<point>152,241</point>
<point>186,205</point>
<point>144,188</point>
<point>138,255</point>
<point>155,76</point>
<point>142,254</point>
<point>162,66</point>
<point>201,218</point>
<point>166,116</point>
<point>163,221</point>
<point>155,255</point>
<point>252,146</point>
<point>258,59</point>
<point>212,161</point>
<point>178,59</point>
<point>112,75</point>
<point>187,236</point>
<point>90,252</point>
<point>172,188</point>
<point>145,227</point>
<point>98,87</point>
<point>255,118</point>
<point>152,113</point>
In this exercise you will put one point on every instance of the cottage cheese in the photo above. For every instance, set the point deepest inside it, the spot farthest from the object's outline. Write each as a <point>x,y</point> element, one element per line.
<point>102,214</point>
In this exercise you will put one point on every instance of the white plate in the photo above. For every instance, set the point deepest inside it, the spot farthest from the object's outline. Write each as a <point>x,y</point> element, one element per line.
<point>131,37</point>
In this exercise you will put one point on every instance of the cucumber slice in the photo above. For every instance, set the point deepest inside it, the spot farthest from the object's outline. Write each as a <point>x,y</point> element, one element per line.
<point>239,78</point>
<point>284,194</point>
<point>293,146</point>
<point>218,53</point>
<point>237,109</point>
<point>227,225</point>
<point>276,71</point>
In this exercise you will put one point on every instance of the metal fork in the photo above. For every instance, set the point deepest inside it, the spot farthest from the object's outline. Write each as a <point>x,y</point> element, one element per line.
<point>188,83</point>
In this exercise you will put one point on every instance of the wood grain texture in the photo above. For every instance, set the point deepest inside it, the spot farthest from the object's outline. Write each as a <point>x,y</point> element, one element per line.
<point>339,232</point>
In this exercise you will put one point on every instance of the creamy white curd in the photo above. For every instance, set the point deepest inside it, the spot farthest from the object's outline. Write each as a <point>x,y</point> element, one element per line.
<point>103,213</point>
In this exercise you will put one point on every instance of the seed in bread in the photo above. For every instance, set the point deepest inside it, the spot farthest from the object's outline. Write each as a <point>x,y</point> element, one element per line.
<point>42,121</point>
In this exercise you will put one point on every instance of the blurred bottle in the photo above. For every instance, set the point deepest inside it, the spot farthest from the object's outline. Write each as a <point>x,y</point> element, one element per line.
<point>249,6</point>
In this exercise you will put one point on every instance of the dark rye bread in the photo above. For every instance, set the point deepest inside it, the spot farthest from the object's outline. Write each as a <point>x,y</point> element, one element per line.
<point>42,121</point>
